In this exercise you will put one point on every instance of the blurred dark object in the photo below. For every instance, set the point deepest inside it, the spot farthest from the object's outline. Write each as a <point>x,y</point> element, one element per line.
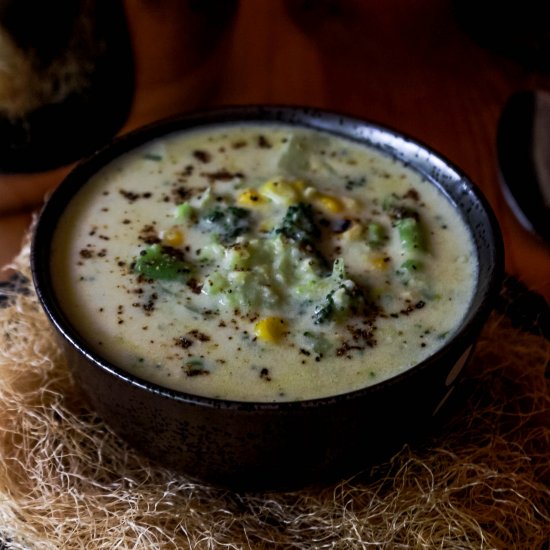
<point>519,30</point>
<point>308,11</point>
<point>325,16</point>
<point>66,80</point>
<point>527,310</point>
<point>218,11</point>
<point>523,147</point>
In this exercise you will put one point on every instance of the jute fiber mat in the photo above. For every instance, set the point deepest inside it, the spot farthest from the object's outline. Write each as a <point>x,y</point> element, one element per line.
<point>481,482</point>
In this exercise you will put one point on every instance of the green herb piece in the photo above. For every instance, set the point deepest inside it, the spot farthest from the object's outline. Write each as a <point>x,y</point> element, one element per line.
<point>162,262</point>
<point>152,156</point>
<point>195,367</point>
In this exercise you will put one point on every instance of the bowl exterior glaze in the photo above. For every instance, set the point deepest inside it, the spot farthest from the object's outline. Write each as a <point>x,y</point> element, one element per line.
<point>251,447</point>
<point>259,446</point>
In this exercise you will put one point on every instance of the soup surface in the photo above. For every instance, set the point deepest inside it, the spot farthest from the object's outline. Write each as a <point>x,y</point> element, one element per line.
<point>262,263</point>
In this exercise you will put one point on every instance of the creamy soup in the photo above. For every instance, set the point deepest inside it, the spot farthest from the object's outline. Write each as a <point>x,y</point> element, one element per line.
<point>262,263</point>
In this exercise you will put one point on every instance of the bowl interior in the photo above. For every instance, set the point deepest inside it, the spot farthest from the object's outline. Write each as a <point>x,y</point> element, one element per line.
<point>459,190</point>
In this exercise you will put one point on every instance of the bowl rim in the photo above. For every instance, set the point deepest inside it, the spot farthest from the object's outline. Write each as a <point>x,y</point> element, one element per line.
<point>293,115</point>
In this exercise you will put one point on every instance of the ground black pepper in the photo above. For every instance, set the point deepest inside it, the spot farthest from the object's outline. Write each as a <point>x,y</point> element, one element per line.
<point>222,175</point>
<point>202,156</point>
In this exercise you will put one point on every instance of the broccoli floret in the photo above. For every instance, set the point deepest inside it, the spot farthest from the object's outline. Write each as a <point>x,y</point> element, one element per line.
<point>299,224</point>
<point>344,299</point>
<point>324,311</point>
<point>227,223</point>
<point>339,303</point>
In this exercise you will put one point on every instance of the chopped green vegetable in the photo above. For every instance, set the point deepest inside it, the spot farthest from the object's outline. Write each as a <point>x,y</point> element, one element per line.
<point>339,270</point>
<point>162,262</point>
<point>389,202</point>
<point>340,303</point>
<point>215,283</point>
<point>408,269</point>
<point>152,156</point>
<point>261,272</point>
<point>376,235</point>
<point>342,300</point>
<point>299,224</point>
<point>226,223</point>
<point>410,234</point>
<point>317,342</point>
<point>324,311</point>
<point>411,265</point>
<point>184,211</point>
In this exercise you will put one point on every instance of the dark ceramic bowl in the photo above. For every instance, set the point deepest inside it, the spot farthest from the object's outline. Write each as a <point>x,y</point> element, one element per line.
<point>276,445</point>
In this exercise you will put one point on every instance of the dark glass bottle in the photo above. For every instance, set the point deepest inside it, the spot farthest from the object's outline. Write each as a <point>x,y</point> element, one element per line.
<point>66,80</point>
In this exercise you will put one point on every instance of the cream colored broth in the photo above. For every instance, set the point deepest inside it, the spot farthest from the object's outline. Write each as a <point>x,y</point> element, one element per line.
<point>249,311</point>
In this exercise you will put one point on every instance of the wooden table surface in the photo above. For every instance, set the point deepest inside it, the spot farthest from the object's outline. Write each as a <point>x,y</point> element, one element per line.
<point>405,64</point>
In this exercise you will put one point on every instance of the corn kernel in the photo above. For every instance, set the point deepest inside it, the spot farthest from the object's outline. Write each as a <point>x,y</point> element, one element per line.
<point>270,329</point>
<point>354,233</point>
<point>172,237</point>
<point>265,226</point>
<point>281,191</point>
<point>332,204</point>
<point>380,263</point>
<point>250,197</point>
<point>351,203</point>
<point>299,185</point>
<point>310,193</point>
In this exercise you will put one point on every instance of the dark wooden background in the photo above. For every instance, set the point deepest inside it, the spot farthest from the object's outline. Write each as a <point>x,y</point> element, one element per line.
<point>403,63</point>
